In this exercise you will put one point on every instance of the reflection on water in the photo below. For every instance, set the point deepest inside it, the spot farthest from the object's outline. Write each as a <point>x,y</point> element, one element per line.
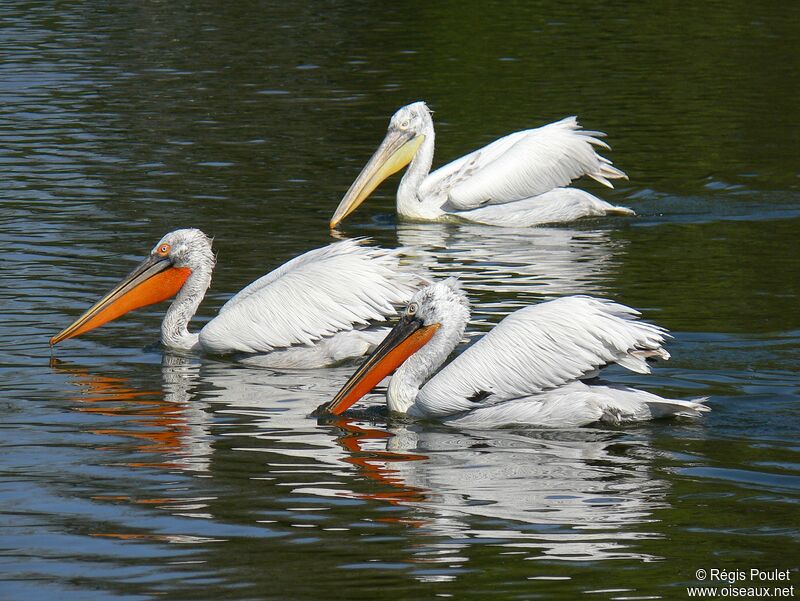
<point>504,269</point>
<point>566,495</point>
<point>561,495</point>
<point>163,421</point>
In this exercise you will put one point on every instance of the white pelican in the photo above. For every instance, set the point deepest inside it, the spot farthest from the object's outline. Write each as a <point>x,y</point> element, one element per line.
<point>305,313</point>
<point>514,181</point>
<point>527,370</point>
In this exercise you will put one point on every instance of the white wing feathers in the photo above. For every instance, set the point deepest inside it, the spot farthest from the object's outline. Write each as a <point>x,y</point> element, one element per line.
<point>522,165</point>
<point>443,179</point>
<point>577,404</point>
<point>317,294</point>
<point>540,348</point>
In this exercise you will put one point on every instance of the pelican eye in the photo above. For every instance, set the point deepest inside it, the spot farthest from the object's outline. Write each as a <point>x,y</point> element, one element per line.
<point>412,309</point>
<point>164,249</point>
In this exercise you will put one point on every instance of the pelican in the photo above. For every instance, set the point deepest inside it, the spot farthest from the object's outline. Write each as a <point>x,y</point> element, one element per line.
<point>530,369</point>
<point>312,311</point>
<point>515,181</point>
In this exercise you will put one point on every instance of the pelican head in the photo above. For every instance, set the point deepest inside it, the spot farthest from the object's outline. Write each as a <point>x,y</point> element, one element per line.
<point>159,277</point>
<point>407,131</point>
<point>435,319</point>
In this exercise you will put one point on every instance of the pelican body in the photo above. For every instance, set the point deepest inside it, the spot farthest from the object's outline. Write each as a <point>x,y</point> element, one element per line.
<point>530,369</point>
<point>516,181</point>
<point>314,310</point>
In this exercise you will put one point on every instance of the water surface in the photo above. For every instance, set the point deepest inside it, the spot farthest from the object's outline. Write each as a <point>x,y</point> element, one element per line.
<point>131,473</point>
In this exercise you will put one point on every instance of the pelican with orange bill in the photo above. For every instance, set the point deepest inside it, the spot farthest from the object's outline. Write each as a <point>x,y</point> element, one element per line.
<point>529,370</point>
<point>156,279</point>
<point>303,314</point>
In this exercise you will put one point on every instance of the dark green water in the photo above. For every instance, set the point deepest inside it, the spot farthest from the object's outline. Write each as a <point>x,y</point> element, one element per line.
<point>129,473</point>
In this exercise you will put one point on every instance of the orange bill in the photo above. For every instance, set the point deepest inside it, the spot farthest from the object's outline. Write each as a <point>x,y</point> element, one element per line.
<point>153,281</point>
<point>407,337</point>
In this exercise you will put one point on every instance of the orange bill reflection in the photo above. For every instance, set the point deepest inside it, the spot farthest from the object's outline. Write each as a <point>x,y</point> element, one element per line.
<point>367,450</point>
<point>157,423</point>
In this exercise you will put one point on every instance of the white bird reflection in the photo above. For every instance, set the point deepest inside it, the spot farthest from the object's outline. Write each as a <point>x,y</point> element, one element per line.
<point>566,495</point>
<point>578,495</point>
<point>516,265</point>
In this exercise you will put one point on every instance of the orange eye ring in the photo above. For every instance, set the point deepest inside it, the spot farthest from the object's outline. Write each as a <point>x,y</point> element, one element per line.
<point>164,249</point>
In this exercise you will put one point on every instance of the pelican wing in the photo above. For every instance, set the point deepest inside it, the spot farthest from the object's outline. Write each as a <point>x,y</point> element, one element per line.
<point>315,295</point>
<point>540,348</point>
<point>522,165</point>
<point>441,181</point>
<point>577,404</point>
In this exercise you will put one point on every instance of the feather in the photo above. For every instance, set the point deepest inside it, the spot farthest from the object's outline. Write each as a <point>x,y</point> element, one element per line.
<point>578,404</point>
<point>539,348</point>
<point>521,165</point>
<point>318,294</point>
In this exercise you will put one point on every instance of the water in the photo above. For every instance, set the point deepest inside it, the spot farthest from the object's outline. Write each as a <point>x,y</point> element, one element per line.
<point>131,473</point>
